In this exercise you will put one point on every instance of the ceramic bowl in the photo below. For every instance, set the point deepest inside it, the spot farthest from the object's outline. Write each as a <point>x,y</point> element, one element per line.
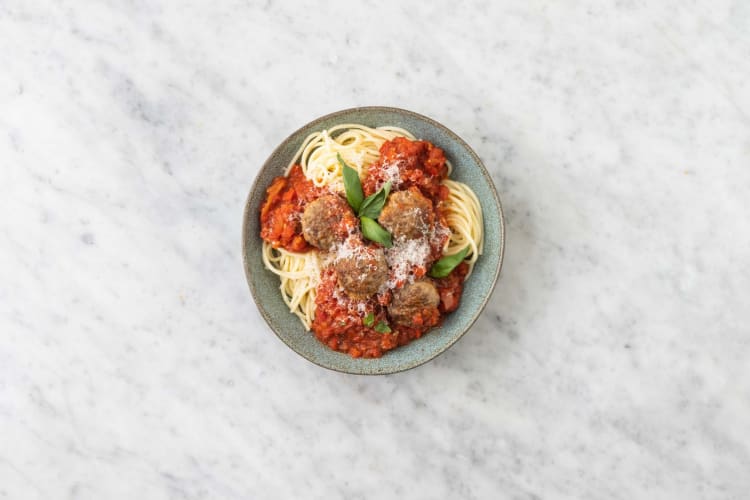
<point>264,285</point>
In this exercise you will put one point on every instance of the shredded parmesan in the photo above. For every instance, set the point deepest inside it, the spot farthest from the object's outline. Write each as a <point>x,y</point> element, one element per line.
<point>294,217</point>
<point>391,172</point>
<point>440,235</point>
<point>403,257</point>
<point>351,247</point>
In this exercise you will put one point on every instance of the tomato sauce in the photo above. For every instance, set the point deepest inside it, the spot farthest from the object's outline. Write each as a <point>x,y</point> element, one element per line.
<point>340,320</point>
<point>281,212</point>
<point>420,164</point>
<point>451,287</point>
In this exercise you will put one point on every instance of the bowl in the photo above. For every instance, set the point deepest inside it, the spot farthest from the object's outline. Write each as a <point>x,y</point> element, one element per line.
<point>467,168</point>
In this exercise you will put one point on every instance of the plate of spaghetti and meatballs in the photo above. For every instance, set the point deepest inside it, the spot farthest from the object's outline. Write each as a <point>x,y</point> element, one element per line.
<point>372,239</point>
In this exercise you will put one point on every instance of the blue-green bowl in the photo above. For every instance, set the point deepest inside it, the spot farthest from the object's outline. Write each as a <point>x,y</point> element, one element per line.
<point>264,285</point>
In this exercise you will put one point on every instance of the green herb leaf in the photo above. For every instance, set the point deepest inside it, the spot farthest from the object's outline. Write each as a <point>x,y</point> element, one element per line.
<point>382,327</point>
<point>373,204</point>
<point>375,232</point>
<point>444,266</point>
<point>369,320</point>
<point>352,185</point>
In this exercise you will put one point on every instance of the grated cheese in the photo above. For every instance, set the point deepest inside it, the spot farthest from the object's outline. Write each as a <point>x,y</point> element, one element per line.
<point>351,247</point>
<point>403,257</point>
<point>439,236</point>
<point>391,172</point>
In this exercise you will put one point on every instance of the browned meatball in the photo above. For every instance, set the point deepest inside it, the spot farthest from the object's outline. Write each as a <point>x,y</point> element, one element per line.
<point>362,271</point>
<point>414,303</point>
<point>327,221</point>
<point>407,214</point>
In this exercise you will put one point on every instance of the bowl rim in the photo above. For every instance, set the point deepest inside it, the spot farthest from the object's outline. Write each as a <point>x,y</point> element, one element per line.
<point>245,236</point>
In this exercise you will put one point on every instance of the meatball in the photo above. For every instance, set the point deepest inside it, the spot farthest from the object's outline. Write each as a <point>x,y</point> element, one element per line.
<point>327,221</point>
<point>362,271</point>
<point>407,214</point>
<point>415,304</point>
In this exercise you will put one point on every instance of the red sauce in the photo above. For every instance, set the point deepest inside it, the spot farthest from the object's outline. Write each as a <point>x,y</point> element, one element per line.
<point>339,319</point>
<point>339,324</point>
<point>281,212</point>
<point>420,164</point>
<point>451,287</point>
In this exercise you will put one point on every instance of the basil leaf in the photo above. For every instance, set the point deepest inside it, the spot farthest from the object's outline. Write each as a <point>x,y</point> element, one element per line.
<point>444,266</point>
<point>382,327</point>
<point>373,204</point>
<point>369,320</point>
<point>375,232</point>
<point>352,185</point>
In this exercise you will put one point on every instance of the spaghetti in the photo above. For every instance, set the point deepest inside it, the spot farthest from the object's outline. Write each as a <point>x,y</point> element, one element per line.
<point>358,145</point>
<point>299,274</point>
<point>308,276</point>
<point>464,216</point>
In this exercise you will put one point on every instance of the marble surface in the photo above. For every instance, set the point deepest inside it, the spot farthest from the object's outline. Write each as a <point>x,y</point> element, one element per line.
<point>612,362</point>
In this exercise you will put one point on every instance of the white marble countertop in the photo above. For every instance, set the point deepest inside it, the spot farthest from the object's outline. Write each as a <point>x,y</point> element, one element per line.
<point>612,362</point>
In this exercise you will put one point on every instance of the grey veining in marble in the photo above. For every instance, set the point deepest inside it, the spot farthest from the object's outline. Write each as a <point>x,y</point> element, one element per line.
<point>612,362</point>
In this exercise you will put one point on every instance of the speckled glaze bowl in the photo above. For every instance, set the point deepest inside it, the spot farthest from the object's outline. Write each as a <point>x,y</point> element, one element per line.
<point>264,285</point>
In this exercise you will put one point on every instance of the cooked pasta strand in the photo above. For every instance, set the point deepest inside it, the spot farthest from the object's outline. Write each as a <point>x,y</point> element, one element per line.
<point>464,216</point>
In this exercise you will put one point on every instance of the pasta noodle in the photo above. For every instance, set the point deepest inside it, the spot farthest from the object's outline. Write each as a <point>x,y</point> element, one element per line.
<point>359,146</point>
<point>464,216</point>
<point>299,274</point>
